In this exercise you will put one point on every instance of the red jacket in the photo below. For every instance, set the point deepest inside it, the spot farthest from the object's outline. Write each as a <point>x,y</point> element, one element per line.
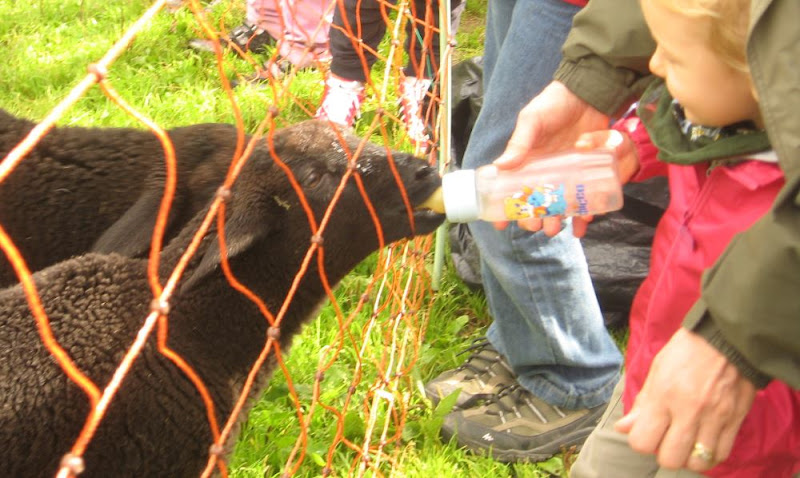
<point>708,206</point>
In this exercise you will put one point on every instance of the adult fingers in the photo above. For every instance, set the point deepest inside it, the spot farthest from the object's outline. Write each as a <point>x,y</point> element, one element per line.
<point>730,428</point>
<point>646,434</point>
<point>702,453</point>
<point>647,430</point>
<point>532,224</point>
<point>624,424</point>
<point>719,424</point>
<point>724,406</point>
<point>698,415</point>
<point>580,225</point>
<point>552,225</point>
<point>692,439</point>
<point>500,225</point>
<point>592,140</point>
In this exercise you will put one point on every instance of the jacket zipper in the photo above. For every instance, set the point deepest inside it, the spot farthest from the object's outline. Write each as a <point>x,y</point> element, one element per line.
<point>701,198</point>
<point>702,195</point>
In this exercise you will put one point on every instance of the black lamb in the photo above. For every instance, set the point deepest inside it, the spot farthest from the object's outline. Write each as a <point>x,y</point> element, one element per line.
<point>156,426</point>
<point>81,189</point>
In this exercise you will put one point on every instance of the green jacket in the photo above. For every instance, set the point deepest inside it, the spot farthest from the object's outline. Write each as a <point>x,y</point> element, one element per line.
<point>750,303</point>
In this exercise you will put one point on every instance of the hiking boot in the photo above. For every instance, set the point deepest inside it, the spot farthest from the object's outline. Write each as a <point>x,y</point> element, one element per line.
<point>341,101</point>
<point>515,425</point>
<point>412,93</point>
<point>482,375</point>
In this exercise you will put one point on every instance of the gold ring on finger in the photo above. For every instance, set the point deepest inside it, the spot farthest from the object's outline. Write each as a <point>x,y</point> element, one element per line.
<point>703,452</point>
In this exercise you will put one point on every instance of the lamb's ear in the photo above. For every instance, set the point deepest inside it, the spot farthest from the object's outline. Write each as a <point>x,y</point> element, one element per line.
<point>131,234</point>
<point>240,235</point>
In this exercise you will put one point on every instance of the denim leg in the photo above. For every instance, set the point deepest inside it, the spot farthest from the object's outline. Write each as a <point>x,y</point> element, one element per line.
<point>547,321</point>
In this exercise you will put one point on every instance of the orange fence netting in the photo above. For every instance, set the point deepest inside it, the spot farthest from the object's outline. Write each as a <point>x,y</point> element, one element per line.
<point>382,325</point>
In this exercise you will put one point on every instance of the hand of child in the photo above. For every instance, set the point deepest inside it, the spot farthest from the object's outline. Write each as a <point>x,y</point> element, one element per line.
<point>620,143</point>
<point>624,155</point>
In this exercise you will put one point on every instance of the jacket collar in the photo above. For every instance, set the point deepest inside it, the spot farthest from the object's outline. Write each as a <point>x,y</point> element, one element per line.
<point>680,141</point>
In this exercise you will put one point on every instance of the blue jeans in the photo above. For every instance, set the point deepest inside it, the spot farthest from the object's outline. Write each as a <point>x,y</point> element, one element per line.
<point>547,321</point>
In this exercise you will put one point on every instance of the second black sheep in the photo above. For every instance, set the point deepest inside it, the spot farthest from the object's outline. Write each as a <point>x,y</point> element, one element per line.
<point>84,188</point>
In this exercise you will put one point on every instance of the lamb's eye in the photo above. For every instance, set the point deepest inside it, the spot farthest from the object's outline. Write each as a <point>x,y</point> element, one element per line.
<point>312,180</point>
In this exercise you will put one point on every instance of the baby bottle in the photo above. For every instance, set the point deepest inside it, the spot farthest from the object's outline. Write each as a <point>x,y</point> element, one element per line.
<point>569,183</point>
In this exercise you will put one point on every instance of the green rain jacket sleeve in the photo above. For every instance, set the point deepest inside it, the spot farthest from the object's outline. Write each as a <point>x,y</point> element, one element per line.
<point>606,55</point>
<point>750,303</point>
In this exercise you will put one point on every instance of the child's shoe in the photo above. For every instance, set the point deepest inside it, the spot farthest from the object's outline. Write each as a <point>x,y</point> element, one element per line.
<point>341,101</point>
<point>412,94</point>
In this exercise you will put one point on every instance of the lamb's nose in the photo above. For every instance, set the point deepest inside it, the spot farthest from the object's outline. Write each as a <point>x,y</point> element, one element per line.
<point>419,167</point>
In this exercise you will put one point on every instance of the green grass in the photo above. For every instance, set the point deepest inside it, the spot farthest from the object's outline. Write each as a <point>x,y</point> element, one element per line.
<point>471,31</point>
<point>47,45</point>
<point>45,56</point>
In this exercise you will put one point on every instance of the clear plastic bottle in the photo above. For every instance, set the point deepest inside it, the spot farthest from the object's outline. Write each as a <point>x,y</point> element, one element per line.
<point>570,183</point>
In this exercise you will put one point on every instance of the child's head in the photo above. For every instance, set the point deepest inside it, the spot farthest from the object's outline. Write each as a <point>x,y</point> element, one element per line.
<point>701,56</point>
<point>727,25</point>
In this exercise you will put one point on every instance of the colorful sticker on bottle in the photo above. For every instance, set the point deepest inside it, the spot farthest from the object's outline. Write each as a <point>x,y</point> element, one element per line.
<point>540,201</point>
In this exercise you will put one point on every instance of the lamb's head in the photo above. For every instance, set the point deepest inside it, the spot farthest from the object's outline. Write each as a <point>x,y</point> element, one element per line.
<point>393,182</point>
<point>264,206</point>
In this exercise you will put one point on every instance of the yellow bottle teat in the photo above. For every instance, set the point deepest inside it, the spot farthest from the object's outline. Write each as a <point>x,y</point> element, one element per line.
<point>435,202</point>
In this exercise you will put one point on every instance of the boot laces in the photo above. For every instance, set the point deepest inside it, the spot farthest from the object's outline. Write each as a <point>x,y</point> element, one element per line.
<point>412,95</point>
<point>341,102</point>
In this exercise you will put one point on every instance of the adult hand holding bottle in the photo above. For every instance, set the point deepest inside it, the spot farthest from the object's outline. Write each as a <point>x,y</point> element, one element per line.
<point>554,121</point>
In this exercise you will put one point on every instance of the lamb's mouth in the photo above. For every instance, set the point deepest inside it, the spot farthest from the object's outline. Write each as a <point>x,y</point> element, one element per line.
<point>428,210</point>
<point>434,202</point>
<point>426,213</point>
<point>426,220</point>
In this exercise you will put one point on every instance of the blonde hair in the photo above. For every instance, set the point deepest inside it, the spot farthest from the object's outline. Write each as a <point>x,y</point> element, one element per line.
<point>728,21</point>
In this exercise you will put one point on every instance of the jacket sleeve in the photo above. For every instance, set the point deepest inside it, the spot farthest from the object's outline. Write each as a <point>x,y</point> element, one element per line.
<point>606,54</point>
<point>750,303</point>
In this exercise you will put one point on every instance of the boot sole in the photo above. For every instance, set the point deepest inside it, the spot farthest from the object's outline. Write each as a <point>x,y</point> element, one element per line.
<point>574,438</point>
<point>542,453</point>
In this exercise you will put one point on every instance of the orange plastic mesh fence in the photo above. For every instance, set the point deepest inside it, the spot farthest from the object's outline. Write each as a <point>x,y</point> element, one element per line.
<point>381,329</point>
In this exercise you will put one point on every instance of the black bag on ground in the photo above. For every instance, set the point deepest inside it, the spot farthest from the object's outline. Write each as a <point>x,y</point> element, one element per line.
<point>467,98</point>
